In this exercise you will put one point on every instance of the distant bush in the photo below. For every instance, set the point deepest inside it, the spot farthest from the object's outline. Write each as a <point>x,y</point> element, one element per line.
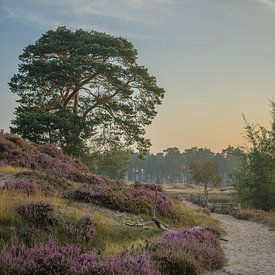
<point>84,230</point>
<point>188,251</point>
<point>25,185</point>
<point>257,215</point>
<point>39,214</point>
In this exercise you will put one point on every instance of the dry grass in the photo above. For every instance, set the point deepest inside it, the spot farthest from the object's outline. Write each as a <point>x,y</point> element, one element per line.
<point>112,235</point>
<point>186,188</point>
<point>10,199</point>
<point>191,217</point>
<point>223,194</point>
<point>12,170</point>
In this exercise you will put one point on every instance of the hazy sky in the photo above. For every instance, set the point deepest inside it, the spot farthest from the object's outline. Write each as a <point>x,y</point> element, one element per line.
<point>215,58</point>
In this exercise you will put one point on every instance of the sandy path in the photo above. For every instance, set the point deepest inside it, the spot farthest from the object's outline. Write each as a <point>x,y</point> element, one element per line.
<point>250,249</point>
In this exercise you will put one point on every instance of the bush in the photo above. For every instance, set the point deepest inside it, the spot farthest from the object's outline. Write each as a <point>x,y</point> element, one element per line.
<point>153,194</point>
<point>113,199</point>
<point>188,251</point>
<point>46,259</point>
<point>25,234</point>
<point>15,151</point>
<point>125,264</point>
<point>40,214</point>
<point>257,215</point>
<point>51,258</point>
<point>255,180</point>
<point>25,185</point>
<point>84,230</point>
<point>137,199</point>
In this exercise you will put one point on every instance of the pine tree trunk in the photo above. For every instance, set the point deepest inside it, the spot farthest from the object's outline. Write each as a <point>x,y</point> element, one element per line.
<point>76,102</point>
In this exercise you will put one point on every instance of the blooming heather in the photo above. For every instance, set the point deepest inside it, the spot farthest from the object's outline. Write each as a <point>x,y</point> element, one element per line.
<point>48,258</point>
<point>125,264</point>
<point>137,199</point>
<point>188,251</point>
<point>146,191</point>
<point>51,258</point>
<point>39,213</point>
<point>84,230</point>
<point>25,185</point>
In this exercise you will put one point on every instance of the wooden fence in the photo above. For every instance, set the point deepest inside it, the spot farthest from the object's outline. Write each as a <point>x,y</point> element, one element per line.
<point>225,208</point>
<point>216,207</point>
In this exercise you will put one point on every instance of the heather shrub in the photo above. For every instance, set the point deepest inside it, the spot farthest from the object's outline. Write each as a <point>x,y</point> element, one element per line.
<point>48,258</point>
<point>257,215</point>
<point>188,251</point>
<point>148,192</point>
<point>246,214</point>
<point>25,234</point>
<point>83,230</point>
<point>15,151</point>
<point>25,185</point>
<point>137,199</point>
<point>48,183</point>
<point>126,264</point>
<point>113,199</point>
<point>39,213</point>
<point>51,258</point>
<point>50,150</point>
<point>6,233</point>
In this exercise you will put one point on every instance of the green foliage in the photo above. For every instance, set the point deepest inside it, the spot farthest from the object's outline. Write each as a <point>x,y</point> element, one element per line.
<point>113,163</point>
<point>206,173</point>
<point>95,78</point>
<point>255,180</point>
<point>173,166</point>
<point>59,127</point>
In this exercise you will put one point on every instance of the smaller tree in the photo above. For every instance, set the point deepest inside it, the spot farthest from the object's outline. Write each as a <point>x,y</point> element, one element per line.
<point>207,174</point>
<point>113,163</point>
<point>255,179</point>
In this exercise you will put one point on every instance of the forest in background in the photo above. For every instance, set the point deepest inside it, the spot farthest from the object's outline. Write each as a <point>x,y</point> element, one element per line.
<point>169,166</point>
<point>173,166</point>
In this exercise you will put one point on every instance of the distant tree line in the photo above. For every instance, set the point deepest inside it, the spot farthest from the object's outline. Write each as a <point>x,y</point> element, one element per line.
<point>173,166</point>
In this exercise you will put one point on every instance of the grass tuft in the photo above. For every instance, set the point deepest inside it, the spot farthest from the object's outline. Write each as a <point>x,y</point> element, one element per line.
<point>12,170</point>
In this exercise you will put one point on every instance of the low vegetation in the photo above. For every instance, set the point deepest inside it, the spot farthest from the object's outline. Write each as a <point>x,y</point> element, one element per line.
<point>258,216</point>
<point>221,194</point>
<point>188,251</point>
<point>80,220</point>
<point>255,181</point>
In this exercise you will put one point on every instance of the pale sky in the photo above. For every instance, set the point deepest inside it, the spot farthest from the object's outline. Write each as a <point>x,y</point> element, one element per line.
<point>214,58</point>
